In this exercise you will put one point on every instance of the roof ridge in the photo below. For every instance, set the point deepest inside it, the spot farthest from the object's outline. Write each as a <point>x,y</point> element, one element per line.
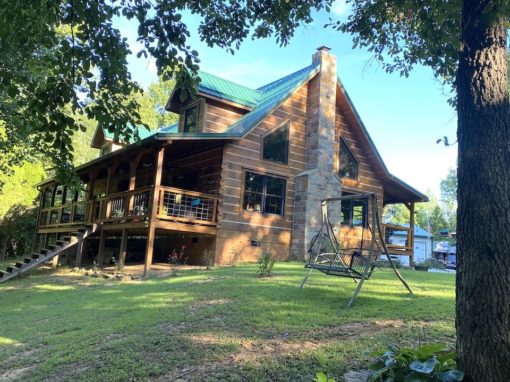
<point>284,78</point>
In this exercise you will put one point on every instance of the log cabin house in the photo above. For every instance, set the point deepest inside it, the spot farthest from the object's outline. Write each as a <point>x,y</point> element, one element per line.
<point>242,171</point>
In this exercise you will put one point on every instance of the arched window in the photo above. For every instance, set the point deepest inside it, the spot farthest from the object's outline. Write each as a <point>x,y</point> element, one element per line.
<point>276,145</point>
<point>348,163</point>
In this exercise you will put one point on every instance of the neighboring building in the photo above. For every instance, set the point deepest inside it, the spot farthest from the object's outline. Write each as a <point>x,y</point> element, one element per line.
<point>422,245</point>
<point>447,253</point>
<point>243,170</point>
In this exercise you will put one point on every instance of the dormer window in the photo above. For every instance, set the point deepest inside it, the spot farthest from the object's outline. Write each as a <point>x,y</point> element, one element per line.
<point>276,145</point>
<point>191,118</point>
<point>348,163</point>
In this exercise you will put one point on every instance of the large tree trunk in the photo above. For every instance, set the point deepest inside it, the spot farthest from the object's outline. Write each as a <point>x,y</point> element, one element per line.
<point>483,250</point>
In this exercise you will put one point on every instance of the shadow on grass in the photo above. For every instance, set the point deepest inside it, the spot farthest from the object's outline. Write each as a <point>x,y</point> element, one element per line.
<point>79,328</point>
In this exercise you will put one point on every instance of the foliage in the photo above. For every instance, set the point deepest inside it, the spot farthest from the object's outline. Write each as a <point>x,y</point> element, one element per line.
<point>432,263</point>
<point>403,34</point>
<point>65,59</point>
<point>19,186</point>
<point>175,258</point>
<point>396,214</point>
<point>117,266</point>
<point>448,187</point>
<point>386,264</point>
<point>208,258</point>
<point>16,231</point>
<point>430,362</point>
<point>321,377</point>
<point>265,264</point>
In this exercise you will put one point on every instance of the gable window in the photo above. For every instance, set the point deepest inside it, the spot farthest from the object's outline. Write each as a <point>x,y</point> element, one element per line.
<point>190,118</point>
<point>348,163</point>
<point>264,193</point>
<point>354,213</point>
<point>276,145</point>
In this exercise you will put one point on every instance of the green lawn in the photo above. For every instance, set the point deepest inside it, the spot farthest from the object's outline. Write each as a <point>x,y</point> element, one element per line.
<point>225,324</point>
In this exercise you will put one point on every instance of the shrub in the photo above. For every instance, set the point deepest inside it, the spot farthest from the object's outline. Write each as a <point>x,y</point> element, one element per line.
<point>432,263</point>
<point>321,377</point>
<point>432,362</point>
<point>176,258</point>
<point>386,264</point>
<point>208,259</point>
<point>266,264</point>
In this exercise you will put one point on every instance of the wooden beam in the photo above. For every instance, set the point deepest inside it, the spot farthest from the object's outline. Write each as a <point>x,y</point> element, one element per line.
<point>411,233</point>
<point>123,246</point>
<point>79,252</point>
<point>149,249</point>
<point>100,253</point>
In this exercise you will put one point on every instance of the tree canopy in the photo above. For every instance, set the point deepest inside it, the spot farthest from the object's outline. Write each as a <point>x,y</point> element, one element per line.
<point>62,60</point>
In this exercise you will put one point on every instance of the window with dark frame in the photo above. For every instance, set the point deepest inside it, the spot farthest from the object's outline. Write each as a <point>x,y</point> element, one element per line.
<point>264,194</point>
<point>276,145</point>
<point>348,163</point>
<point>354,213</point>
<point>190,119</point>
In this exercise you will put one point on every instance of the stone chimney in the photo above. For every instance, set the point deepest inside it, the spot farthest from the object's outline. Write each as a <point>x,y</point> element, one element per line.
<point>319,180</point>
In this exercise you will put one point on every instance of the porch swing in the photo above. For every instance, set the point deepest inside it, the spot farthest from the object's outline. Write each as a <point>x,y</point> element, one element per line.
<point>358,263</point>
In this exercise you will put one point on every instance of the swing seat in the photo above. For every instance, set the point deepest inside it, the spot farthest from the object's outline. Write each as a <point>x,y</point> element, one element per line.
<point>329,264</point>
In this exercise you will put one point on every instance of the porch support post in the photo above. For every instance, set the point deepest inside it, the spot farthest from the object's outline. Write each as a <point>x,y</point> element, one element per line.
<point>100,253</point>
<point>41,200</point>
<point>411,233</point>
<point>90,211</point>
<point>54,262</point>
<point>79,251</point>
<point>123,247</point>
<point>153,212</point>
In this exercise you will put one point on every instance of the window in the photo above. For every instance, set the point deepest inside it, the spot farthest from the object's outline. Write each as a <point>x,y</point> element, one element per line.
<point>190,119</point>
<point>276,145</point>
<point>59,196</point>
<point>263,193</point>
<point>354,213</point>
<point>48,195</point>
<point>348,163</point>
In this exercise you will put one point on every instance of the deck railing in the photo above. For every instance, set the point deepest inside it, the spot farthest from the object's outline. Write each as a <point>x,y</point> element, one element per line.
<point>187,206</point>
<point>178,205</point>
<point>127,205</point>
<point>67,214</point>
<point>394,232</point>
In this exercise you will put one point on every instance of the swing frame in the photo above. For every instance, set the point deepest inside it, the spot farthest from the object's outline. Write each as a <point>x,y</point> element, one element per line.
<point>320,260</point>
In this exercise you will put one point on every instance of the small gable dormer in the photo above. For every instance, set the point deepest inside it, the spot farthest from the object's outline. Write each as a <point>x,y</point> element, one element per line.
<point>105,141</point>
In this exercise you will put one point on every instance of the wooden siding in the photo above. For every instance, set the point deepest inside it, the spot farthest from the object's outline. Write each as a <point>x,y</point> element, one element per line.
<point>237,228</point>
<point>219,116</point>
<point>368,180</point>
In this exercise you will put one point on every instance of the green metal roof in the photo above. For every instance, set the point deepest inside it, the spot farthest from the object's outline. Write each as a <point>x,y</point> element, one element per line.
<point>228,90</point>
<point>142,134</point>
<point>262,100</point>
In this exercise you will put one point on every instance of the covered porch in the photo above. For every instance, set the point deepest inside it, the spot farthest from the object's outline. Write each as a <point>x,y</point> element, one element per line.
<point>150,195</point>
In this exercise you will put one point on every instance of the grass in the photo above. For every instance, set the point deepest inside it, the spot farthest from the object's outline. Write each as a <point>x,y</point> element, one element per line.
<point>225,324</point>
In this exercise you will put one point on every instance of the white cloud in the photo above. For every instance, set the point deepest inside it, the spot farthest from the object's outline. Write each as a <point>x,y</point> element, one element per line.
<point>339,7</point>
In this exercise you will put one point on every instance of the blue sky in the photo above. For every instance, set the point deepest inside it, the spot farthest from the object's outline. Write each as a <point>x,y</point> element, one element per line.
<point>404,116</point>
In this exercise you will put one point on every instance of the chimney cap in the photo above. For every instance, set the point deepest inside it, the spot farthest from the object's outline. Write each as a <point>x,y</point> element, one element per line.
<point>324,47</point>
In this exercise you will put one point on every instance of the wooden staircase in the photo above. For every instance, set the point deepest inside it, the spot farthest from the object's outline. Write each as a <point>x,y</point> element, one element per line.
<point>47,254</point>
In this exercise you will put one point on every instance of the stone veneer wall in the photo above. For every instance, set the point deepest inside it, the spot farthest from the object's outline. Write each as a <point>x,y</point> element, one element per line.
<point>319,179</point>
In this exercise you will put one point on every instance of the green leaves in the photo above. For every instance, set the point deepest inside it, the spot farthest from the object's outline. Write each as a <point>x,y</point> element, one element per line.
<point>429,362</point>
<point>62,59</point>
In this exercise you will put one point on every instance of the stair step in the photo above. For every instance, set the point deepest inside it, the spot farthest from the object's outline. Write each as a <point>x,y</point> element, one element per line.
<point>45,251</point>
<point>19,265</point>
<point>51,246</point>
<point>12,268</point>
<point>62,242</point>
<point>3,273</point>
<point>36,256</point>
<point>27,260</point>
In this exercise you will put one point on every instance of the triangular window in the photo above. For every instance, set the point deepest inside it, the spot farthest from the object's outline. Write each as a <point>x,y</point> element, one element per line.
<point>348,163</point>
<point>276,145</point>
